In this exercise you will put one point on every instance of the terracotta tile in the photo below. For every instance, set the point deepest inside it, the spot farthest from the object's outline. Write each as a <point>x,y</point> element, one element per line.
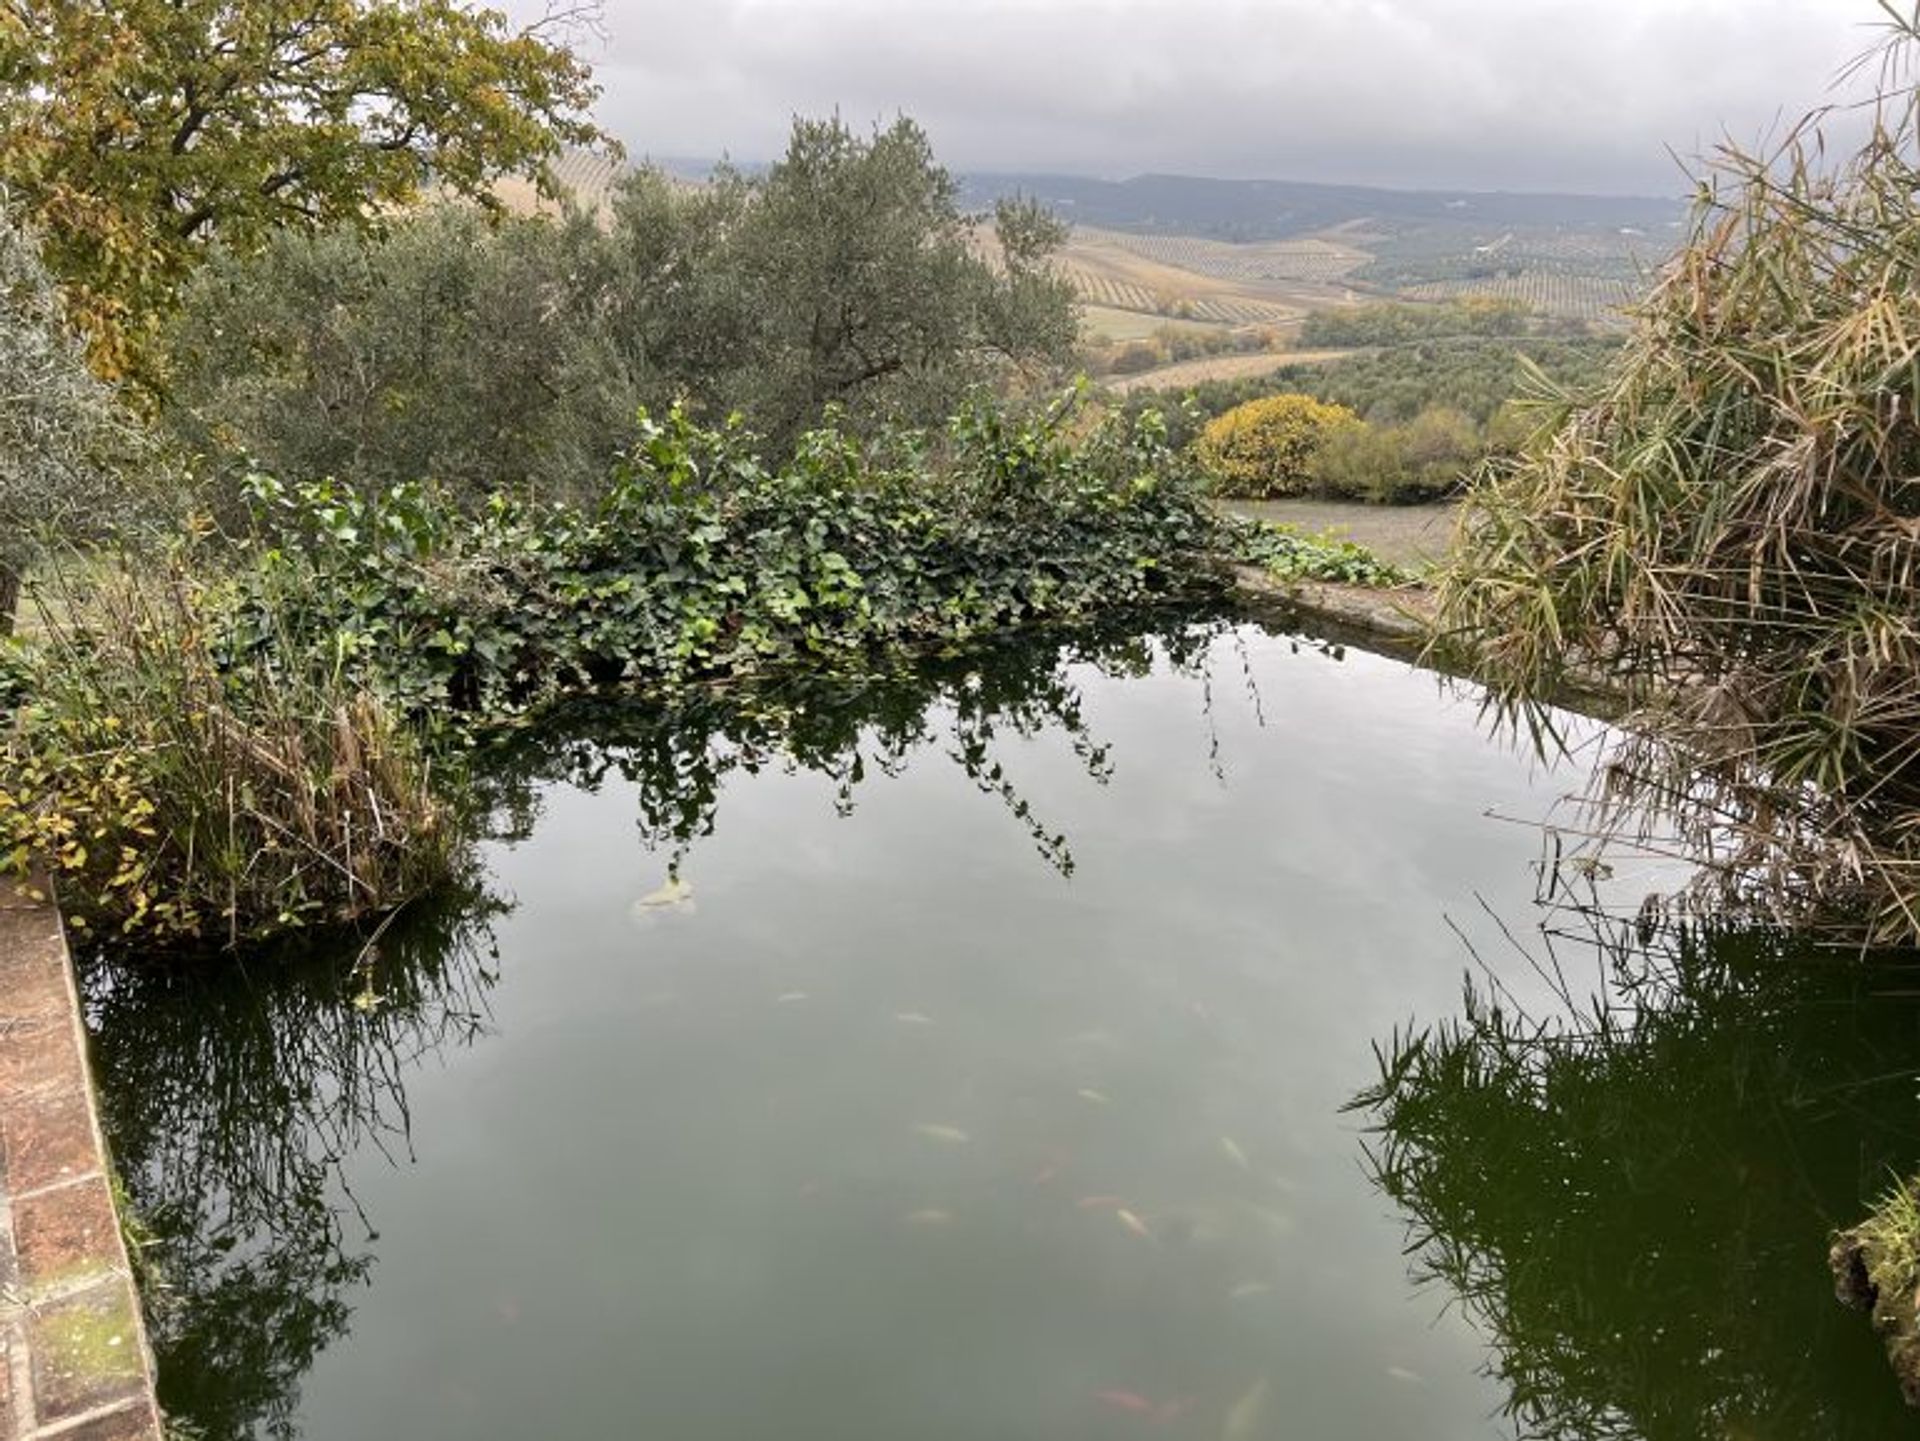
<point>34,1052</point>
<point>86,1353</point>
<point>139,1422</point>
<point>48,1135</point>
<point>33,967</point>
<point>62,1237</point>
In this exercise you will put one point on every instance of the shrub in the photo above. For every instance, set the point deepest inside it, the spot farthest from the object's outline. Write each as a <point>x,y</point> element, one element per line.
<point>1265,448</point>
<point>698,560</point>
<point>1399,464</point>
<point>66,445</point>
<point>1726,534</point>
<point>174,798</point>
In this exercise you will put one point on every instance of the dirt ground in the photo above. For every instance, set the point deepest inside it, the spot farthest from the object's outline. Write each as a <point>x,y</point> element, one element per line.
<point>1403,534</point>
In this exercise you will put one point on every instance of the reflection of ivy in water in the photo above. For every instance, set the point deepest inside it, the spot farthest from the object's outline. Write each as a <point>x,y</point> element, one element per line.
<point>233,1099</point>
<point>847,729</point>
<point>230,1101</point>
<point>1634,1208</point>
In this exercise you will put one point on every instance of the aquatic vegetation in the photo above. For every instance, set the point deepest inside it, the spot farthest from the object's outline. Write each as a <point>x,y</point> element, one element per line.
<point>175,797</point>
<point>1876,1267</point>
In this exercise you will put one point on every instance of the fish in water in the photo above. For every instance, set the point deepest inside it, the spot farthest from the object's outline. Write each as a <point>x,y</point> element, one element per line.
<point>1133,1223</point>
<point>1401,1373</point>
<point>1234,1153</point>
<point>1279,1222</point>
<point>1100,1203</point>
<point>1129,1401</point>
<point>790,997</point>
<point>912,1018</point>
<point>945,1135</point>
<point>1243,1421</point>
<point>1087,1093</point>
<point>1250,1288</point>
<point>676,894</point>
<point>932,1216</point>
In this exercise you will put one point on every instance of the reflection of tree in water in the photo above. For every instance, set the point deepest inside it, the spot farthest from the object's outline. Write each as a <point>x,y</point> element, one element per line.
<point>233,1095</point>
<point>1634,1208</point>
<point>229,1100</point>
<point>845,728</point>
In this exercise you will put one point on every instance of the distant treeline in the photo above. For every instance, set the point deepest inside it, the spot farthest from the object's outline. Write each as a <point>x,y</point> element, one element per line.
<point>1393,324</point>
<point>1419,418</point>
<point>1473,375</point>
<point>1172,344</point>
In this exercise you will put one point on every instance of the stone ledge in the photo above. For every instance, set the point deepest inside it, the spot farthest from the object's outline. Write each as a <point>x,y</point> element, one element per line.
<point>74,1359</point>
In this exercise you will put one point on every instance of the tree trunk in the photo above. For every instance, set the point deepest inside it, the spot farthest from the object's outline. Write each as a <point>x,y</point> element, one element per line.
<point>9,598</point>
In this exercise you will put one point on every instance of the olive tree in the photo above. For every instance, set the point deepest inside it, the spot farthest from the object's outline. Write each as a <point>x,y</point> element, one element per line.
<point>485,353</point>
<point>65,442</point>
<point>452,350</point>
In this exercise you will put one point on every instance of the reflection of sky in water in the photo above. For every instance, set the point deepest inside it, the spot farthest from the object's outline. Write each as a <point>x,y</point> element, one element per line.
<point>707,1178</point>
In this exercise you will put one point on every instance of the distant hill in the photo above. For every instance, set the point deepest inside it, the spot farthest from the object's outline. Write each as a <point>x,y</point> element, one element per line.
<point>1249,210</point>
<point>1265,253</point>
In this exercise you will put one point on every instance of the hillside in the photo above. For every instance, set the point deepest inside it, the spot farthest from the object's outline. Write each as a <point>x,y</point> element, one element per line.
<point>1228,256</point>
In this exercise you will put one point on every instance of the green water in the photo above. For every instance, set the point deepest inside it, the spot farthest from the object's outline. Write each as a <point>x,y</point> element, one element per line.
<point>984,1074</point>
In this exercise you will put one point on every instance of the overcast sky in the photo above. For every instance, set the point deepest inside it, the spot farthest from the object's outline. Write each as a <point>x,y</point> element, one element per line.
<point>1494,94</point>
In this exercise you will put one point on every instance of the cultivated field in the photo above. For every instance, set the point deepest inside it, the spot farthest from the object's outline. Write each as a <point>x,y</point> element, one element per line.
<point>1218,367</point>
<point>1599,299</point>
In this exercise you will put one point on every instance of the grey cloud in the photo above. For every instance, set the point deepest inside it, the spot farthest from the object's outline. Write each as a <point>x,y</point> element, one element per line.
<point>1516,94</point>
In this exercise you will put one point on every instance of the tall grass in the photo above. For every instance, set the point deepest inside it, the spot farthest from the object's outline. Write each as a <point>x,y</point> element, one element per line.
<point>170,795</point>
<point>1728,532</point>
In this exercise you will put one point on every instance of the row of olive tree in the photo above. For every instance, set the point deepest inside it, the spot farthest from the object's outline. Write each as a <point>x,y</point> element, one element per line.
<point>481,354</point>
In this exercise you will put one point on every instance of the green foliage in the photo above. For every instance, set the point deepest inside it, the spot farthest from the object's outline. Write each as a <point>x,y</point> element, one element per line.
<point>699,561</point>
<point>66,445</point>
<point>1393,464</point>
<point>466,354</point>
<point>1266,448</point>
<point>135,133</point>
<point>175,799</point>
<point>1725,534</point>
<point>1283,552</point>
<point>861,285</point>
<point>513,357</point>
<point>1394,324</point>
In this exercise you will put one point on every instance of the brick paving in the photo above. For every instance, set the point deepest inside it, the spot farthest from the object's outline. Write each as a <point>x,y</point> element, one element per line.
<point>74,1361</point>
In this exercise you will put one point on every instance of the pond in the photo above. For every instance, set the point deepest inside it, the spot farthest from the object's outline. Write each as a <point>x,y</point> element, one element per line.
<point>968,1053</point>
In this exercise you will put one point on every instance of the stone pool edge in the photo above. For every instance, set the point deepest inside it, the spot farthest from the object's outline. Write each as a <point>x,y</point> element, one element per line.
<point>75,1362</point>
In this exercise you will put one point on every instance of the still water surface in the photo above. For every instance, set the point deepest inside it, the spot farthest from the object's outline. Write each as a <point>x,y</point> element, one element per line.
<point>982,1074</point>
